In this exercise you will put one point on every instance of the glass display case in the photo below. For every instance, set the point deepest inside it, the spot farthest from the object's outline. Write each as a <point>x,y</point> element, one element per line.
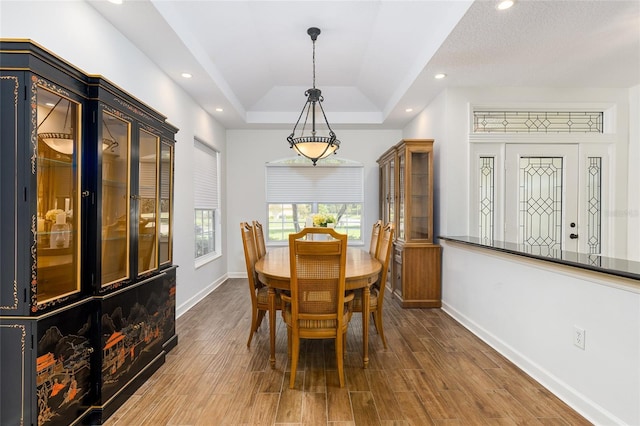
<point>415,277</point>
<point>135,194</point>
<point>86,187</point>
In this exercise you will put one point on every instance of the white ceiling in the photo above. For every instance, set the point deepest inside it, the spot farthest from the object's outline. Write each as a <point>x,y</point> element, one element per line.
<point>375,59</point>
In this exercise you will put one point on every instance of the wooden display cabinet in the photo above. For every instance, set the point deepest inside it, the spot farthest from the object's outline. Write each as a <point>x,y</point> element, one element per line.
<point>406,199</point>
<point>86,187</point>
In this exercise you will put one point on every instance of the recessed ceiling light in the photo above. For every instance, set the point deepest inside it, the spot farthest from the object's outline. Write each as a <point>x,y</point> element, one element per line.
<point>186,75</point>
<point>50,104</point>
<point>219,110</point>
<point>115,1</point>
<point>505,4</point>
<point>440,76</point>
<point>408,110</point>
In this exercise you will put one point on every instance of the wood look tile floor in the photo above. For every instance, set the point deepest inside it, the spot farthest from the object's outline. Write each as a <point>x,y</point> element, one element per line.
<point>433,372</point>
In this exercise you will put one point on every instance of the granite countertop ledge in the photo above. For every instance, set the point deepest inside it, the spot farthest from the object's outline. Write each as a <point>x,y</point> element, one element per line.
<point>592,262</point>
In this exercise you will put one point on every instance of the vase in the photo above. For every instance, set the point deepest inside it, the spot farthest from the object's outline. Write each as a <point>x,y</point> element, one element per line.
<point>60,233</point>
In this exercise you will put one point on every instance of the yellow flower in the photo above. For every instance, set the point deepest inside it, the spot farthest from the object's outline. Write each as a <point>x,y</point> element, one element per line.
<point>321,219</point>
<point>52,215</point>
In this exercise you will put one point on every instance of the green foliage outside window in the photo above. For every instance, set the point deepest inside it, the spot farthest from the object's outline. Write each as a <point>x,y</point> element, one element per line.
<point>285,219</point>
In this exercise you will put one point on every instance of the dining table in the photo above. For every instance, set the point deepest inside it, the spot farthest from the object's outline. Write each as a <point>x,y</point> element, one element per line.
<point>362,270</point>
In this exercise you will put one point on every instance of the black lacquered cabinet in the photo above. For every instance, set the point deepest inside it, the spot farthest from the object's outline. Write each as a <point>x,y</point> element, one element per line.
<point>87,290</point>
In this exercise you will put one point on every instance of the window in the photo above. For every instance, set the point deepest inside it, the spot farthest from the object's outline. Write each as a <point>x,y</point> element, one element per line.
<point>296,191</point>
<point>206,202</point>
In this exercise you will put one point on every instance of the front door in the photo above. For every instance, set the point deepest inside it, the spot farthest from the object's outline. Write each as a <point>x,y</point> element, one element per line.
<point>541,209</point>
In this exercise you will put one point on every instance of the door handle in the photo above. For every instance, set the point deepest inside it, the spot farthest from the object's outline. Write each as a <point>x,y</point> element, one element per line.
<point>573,236</point>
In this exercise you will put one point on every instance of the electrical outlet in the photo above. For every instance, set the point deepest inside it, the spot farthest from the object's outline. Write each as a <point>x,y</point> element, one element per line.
<point>578,337</point>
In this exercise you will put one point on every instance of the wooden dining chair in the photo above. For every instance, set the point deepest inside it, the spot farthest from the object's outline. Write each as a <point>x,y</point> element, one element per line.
<point>257,290</point>
<point>318,307</point>
<point>259,235</point>
<point>375,238</point>
<point>376,298</point>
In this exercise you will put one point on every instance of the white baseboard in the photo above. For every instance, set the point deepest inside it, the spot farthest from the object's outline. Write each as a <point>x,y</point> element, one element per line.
<point>192,301</point>
<point>236,275</point>
<point>586,407</point>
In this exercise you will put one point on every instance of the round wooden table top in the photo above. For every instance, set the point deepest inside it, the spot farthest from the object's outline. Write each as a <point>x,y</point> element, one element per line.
<point>362,269</point>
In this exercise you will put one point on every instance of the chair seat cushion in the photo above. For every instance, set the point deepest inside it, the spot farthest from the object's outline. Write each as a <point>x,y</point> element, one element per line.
<point>263,297</point>
<point>373,300</point>
<point>314,324</point>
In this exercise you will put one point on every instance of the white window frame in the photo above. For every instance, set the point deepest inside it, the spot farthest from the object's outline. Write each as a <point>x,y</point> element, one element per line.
<point>206,190</point>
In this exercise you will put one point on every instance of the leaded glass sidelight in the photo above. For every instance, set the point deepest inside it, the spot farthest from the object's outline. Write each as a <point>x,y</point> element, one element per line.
<point>540,206</point>
<point>116,160</point>
<point>594,204</point>
<point>486,197</point>
<point>148,201</point>
<point>58,180</point>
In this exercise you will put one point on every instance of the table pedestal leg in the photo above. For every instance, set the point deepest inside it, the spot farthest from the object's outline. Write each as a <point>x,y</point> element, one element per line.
<point>272,326</point>
<point>365,326</point>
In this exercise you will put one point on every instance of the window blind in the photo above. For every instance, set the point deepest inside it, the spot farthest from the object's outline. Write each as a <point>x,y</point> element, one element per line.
<point>205,176</point>
<point>165,170</point>
<point>147,178</point>
<point>322,184</point>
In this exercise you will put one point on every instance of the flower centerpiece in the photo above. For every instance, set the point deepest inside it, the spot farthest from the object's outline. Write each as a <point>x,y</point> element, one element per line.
<point>322,219</point>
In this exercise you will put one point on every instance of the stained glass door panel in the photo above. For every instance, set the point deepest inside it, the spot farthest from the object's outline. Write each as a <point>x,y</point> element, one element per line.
<point>542,198</point>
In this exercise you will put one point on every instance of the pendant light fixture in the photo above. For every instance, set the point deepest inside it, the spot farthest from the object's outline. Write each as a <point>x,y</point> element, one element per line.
<point>61,141</point>
<point>312,145</point>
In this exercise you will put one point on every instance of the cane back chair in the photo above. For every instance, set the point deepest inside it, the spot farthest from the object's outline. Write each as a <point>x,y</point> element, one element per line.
<point>318,307</point>
<point>376,299</point>
<point>257,290</point>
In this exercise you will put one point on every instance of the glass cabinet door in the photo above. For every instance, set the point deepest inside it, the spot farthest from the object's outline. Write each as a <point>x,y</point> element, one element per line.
<point>148,201</point>
<point>420,198</point>
<point>58,180</point>
<point>166,203</point>
<point>116,160</point>
<point>401,194</point>
<point>387,188</point>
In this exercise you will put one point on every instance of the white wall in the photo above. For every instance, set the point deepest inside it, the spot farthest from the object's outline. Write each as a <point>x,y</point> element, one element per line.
<point>75,32</point>
<point>249,150</point>
<point>528,312</point>
<point>633,212</point>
